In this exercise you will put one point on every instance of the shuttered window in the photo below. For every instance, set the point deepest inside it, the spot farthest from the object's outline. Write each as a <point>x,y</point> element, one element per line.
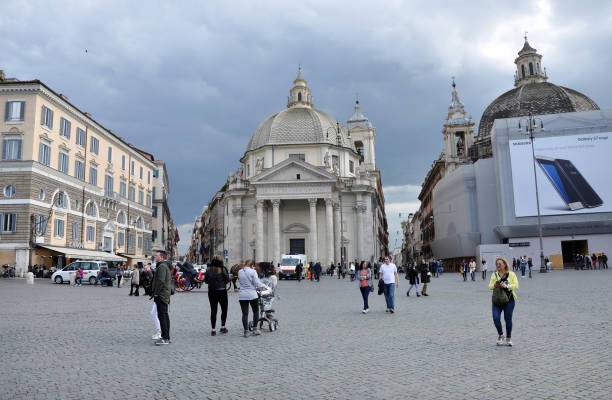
<point>65,128</point>
<point>11,149</point>
<point>46,119</point>
<point>14,111</point>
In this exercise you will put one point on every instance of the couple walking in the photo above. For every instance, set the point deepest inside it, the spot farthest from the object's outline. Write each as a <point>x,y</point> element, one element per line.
<point>388,281</point>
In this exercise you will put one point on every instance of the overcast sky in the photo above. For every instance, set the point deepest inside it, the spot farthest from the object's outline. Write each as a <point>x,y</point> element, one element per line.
<point>191,82</point>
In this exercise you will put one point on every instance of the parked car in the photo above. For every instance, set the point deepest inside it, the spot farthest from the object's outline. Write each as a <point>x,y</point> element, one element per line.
<point>90,271</point>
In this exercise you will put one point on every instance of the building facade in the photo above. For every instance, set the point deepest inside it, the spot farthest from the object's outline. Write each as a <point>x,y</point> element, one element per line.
<point>306,185</point>
<point>70,187</point>
<point>162,233</point>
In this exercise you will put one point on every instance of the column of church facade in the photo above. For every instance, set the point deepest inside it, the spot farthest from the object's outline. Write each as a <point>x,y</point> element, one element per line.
<point>359,228</point>
<point>337,232</point>
<point>259,250</point>
<point>330,229</point>
<point>276,228</point>
<point>313,229</point>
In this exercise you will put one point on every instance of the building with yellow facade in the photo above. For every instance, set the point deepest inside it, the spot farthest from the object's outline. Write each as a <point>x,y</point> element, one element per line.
<point>70,188</point>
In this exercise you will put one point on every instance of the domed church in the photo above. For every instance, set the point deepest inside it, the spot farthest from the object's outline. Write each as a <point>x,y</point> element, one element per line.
<point>532,95</point>
<point>306,185</point>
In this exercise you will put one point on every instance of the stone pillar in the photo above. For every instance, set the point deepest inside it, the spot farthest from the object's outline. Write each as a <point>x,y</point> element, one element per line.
<point>313,230</point>
<point>236,243</point>
<point>359,229</point>
<point>259,249</point>
<point>276,228</point>
<point>329,215</point>
<point>337,233</point>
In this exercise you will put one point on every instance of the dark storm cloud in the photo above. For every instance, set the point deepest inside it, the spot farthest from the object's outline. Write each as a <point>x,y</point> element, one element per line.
<point>190,83</point>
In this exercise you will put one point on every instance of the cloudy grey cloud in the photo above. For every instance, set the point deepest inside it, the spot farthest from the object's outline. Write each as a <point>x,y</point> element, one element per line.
<point>191,81</point>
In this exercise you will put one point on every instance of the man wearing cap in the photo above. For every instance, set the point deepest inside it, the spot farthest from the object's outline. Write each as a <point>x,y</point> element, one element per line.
<point>161,294</point>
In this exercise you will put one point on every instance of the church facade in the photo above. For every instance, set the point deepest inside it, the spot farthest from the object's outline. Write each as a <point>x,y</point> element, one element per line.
<point>306,185</point>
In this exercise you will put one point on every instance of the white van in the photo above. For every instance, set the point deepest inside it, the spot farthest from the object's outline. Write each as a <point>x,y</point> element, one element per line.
<point>288,263</point>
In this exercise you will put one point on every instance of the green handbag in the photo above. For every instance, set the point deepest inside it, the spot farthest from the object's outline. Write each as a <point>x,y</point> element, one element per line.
<point>500,297</point>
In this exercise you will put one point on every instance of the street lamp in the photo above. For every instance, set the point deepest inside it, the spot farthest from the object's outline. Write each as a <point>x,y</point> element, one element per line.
<point>533,124</point>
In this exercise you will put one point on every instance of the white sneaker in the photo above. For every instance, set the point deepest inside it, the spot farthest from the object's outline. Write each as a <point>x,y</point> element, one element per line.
<point>500,340</point>
<point>157,336</point>
<point>509,342</point>
<point>366,310</point>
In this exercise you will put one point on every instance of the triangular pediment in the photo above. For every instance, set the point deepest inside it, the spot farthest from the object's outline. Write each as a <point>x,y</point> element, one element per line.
<point>290,169</point>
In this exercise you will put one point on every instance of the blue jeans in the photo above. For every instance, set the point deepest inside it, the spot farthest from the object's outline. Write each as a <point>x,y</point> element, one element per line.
<point>522,270</point>
<point>389,291</point>
<point>508,310</point>
<point>365,292</point>
<point>530,268</point>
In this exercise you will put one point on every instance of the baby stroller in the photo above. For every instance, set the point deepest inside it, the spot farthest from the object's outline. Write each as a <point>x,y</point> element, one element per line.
<point>265,298</point>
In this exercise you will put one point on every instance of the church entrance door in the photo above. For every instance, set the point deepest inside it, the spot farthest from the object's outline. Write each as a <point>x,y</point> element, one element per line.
<point>297,246</point>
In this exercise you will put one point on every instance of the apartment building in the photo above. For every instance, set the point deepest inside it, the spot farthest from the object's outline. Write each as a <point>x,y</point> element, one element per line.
<point>71,188</point>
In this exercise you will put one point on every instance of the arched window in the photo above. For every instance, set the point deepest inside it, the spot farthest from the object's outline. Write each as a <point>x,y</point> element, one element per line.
<point>299,96</point>
<point>61,200</point>
<point>530,68</point>
<point>523,69</point>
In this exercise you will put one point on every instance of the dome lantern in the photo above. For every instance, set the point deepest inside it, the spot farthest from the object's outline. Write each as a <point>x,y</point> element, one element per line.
<point>299,95</point>
<point>529,66</point>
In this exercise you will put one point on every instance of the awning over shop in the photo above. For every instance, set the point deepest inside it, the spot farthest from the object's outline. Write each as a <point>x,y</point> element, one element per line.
<point>84,254</point>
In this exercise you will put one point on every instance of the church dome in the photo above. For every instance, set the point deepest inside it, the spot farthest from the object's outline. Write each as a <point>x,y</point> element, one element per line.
<point>533,94</point>
<point>535,98</point>
<point>300,123</point>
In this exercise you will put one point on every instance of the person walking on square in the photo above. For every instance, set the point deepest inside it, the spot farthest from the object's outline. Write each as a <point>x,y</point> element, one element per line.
<point>78,280</point>
<point>317,271</point>
<point>523,265</point>
<point>119,274</point>
<point>594,260</point>
<point>604,260</point>
<point>464,271</point>
<point>364,277</point>
<point>388,273</point>
<point>506,280</point>
<point>413,278</point>
<point>530,266</point>
<point>135,285</point>
<point>298,271</point>
<point>484,269</point>
<point>425,275</point>
<point>247,296</point>
<point>352,271</point>
<point>160,288</point>
<point>472,267</point>
<point>217,278</point>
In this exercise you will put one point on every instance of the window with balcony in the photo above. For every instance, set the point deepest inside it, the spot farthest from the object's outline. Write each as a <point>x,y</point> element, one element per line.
<point>11,149</point>
<point>14,111</point>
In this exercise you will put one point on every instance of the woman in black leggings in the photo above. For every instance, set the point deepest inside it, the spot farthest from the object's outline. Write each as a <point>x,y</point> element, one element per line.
<point>217,278</point>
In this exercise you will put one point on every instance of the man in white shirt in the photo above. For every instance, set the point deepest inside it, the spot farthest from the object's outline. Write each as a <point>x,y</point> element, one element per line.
<point>388,273</point>
<point>352,271</point>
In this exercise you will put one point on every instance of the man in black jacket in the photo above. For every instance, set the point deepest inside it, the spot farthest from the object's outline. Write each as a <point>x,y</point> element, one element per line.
<point>298,271</point>
<point>160,288</point>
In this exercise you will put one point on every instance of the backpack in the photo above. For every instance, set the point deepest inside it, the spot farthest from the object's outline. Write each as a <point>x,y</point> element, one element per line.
<point>500,296</point>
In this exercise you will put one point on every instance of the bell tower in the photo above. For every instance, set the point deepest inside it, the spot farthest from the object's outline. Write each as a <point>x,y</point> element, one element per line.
<point>458,132</point>
<point>299,95</point>
<point>362,134</point>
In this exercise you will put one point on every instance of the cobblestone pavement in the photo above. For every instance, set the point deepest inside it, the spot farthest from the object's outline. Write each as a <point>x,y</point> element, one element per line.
<point>61,342</point>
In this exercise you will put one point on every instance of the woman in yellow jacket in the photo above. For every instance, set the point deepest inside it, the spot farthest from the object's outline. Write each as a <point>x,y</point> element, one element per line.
<point>507,280</point>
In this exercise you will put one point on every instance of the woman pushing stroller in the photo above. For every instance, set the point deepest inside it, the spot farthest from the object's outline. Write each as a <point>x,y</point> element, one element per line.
<point>249,282</point>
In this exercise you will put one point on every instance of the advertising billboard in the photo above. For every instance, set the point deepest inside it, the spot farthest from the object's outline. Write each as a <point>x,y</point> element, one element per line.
<point>573,175</point>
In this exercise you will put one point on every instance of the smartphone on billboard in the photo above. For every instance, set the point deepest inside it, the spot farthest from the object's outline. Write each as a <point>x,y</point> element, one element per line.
<point>569,183</point>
